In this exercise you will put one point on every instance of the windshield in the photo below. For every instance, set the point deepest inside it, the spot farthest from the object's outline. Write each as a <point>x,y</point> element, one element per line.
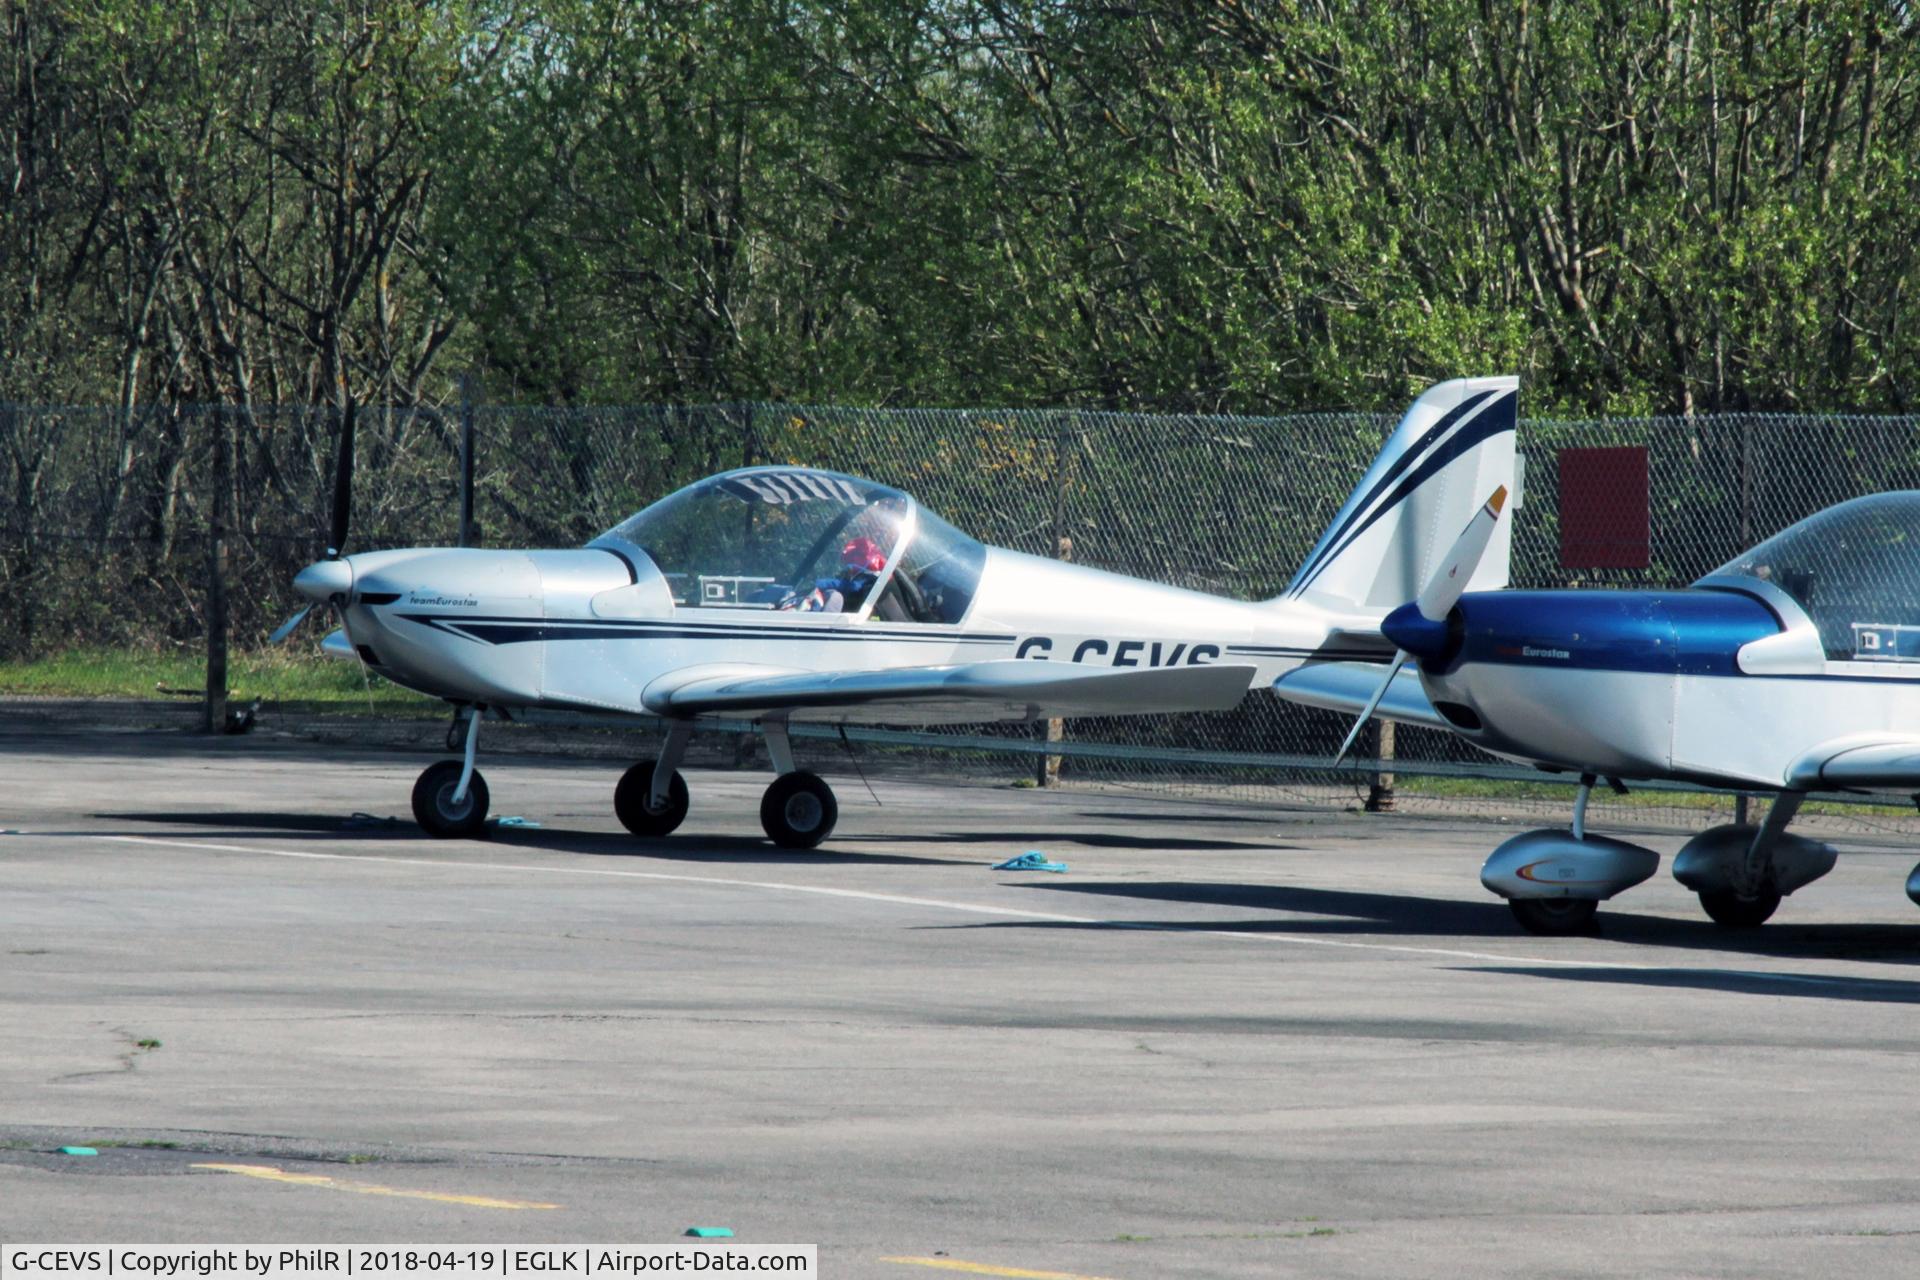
<point>936,577</point>
<point>791,538</point>
<point>1855,569</point>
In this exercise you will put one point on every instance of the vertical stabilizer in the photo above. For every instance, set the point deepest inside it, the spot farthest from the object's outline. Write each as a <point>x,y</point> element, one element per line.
<point>1452,449</point>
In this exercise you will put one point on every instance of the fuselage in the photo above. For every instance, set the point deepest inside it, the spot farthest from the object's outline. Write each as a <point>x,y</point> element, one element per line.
<point>1723,684</point>
<point>591,629</point>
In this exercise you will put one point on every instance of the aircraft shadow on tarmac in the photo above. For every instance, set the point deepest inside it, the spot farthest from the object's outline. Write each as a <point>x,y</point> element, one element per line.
<point>684,848</point>
<point>229,823</point>
<point>704,848</point>
<point>1808,986</point>
<point>1082,839</point>
<point>1403,915</point>
<point>707,850</point>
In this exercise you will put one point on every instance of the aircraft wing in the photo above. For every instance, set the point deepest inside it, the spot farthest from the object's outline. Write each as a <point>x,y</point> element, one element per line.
<point>1346,686</point>
<point>1879,761</point>
<point>1006,688</point>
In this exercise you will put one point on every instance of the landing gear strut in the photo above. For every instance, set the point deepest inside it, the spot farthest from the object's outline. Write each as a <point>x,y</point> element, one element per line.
<point>450,797</point>
<point>798,810</point>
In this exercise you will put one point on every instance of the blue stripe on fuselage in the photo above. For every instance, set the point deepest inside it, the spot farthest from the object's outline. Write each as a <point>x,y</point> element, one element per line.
<point>1683,632</point>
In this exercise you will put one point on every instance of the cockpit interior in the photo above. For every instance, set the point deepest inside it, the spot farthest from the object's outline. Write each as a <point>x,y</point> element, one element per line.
<point>796,539</point>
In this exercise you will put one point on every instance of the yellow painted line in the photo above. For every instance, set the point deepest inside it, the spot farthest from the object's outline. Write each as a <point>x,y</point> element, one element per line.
<point>272,1174</point>
<point>985,1269</point>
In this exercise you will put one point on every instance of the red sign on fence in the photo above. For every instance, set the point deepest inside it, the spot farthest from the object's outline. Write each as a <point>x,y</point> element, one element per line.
<point>1605,513</point>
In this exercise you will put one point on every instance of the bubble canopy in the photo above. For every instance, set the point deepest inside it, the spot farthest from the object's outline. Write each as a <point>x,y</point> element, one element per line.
<point>1855,569</point>
<point>798,539</point>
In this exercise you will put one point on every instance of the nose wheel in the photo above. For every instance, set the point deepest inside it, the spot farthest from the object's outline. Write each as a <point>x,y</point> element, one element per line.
<point>439,812</point>
<point>450,798</point>
<point>799,810</point>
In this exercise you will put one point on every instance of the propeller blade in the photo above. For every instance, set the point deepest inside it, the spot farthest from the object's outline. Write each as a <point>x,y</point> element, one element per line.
<point>342,483</point>
<point>287,628</point>
<point>366,676</point>
<point>1435,601</point>
<point>1449,581</point>
<point>1399,660</point>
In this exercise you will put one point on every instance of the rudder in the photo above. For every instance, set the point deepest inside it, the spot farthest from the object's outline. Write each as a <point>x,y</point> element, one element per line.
<point>1454,447</point>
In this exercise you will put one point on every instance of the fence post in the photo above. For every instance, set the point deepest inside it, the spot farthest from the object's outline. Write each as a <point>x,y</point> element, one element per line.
<point>1380,786</point>
<point>1046,768</point>
<point>216,709</point>
<point>470,394</point>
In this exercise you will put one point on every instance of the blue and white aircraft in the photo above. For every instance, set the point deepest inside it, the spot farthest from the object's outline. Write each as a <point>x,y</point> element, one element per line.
<point>1793,668</point>
<point>783,594</point>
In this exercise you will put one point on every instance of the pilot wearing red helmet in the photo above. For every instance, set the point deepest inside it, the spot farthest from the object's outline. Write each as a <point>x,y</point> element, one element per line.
<point>861,561</point>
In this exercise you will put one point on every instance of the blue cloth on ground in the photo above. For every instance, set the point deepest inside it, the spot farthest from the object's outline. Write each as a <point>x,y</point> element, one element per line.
<point>1031,860</point>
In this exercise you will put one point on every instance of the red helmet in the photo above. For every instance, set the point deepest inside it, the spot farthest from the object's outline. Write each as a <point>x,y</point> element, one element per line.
<point>864,554</point>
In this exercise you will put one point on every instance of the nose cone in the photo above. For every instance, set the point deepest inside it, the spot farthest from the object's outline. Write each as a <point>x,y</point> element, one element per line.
<point>322,580</point>
<point>1418,634</point>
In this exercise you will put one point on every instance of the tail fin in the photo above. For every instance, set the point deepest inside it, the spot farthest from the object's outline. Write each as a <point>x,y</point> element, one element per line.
<point>1452,449</point>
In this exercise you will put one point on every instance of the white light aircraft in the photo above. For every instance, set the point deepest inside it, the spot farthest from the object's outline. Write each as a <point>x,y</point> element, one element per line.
<point>783,594</point>
<point>1793,668</point>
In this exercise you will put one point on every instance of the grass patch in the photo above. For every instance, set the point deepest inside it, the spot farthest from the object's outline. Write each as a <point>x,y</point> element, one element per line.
<point>276,675</point>
<point>148,1043</point>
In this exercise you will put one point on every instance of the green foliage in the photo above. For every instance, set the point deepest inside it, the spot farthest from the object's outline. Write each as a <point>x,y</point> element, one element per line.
<point>1211,206</point>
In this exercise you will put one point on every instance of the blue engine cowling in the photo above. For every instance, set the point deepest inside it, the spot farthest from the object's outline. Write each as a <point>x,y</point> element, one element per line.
<point>1580,679</point>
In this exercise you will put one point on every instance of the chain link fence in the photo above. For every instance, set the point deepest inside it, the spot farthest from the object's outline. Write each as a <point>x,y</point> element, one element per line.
<point>105,520</point>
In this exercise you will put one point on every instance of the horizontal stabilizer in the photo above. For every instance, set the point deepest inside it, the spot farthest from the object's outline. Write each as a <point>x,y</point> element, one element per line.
<point>1008,688</point>
<point>1863,762</point>
<point>1347,687</point>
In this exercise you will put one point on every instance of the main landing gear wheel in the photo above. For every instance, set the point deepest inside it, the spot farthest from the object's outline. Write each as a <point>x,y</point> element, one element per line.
<point>1554,917</point>
<point>433,804</point>
<point>630,802</point>
<point>1732,911</point>
<point>798,810</point>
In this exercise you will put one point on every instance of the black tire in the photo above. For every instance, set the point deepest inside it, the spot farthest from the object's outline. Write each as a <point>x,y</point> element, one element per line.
<point>1554,917</point>
<point>1731,911</point>
<point>433,806</point>
<point>630,802</point>
<point>799,810</point>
